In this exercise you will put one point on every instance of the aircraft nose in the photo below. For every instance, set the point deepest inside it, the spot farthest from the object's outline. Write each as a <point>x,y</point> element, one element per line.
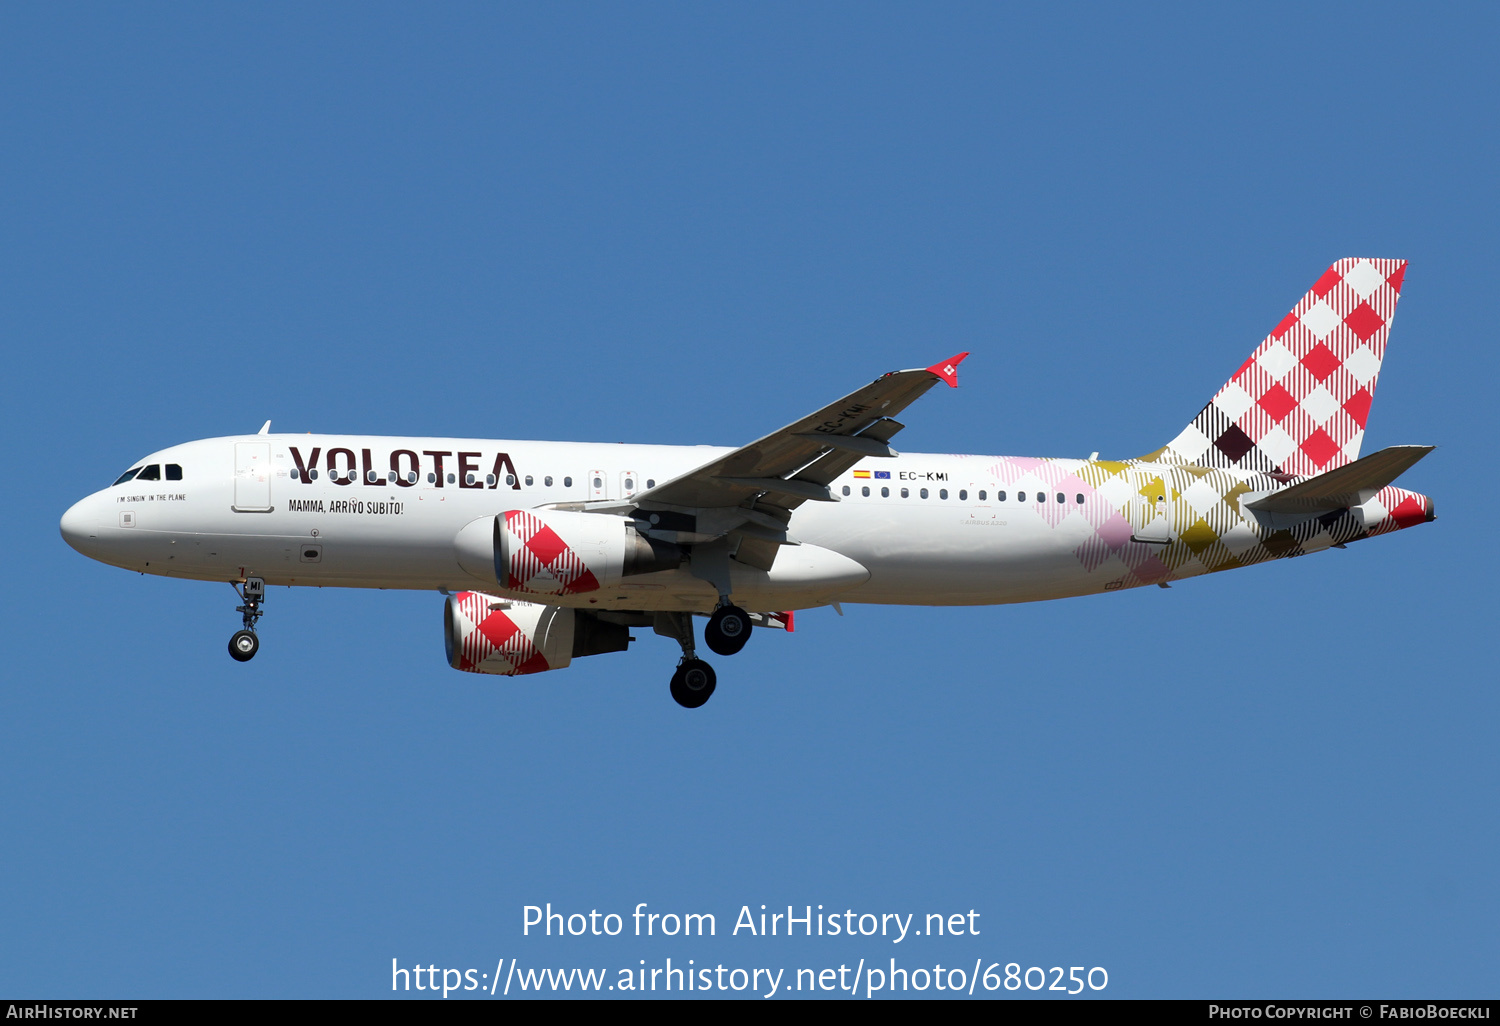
<point>79,526</point>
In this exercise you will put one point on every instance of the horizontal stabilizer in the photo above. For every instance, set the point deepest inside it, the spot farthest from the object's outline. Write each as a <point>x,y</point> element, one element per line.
<point>1350,485</point>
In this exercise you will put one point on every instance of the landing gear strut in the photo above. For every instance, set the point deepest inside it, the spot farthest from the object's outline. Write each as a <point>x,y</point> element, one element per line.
<point>728,629</point>
<point>245,644</point>
<point>693,681</point>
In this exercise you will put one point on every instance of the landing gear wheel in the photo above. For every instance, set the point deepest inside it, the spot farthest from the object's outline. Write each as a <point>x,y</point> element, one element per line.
<point>727,631</point>
<point>252,593</point>
<point>693,683</point>
<point>244,645</point>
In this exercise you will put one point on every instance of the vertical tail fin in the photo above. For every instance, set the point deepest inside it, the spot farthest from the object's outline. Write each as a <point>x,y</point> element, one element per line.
<point>1299,404</point>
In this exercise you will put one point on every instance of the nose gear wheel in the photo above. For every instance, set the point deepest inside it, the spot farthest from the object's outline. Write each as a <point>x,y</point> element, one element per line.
<point>245,643</point>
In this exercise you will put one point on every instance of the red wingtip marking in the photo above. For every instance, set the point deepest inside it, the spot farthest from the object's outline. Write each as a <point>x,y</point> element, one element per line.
<point>948,369</point>
<point>789,616</point>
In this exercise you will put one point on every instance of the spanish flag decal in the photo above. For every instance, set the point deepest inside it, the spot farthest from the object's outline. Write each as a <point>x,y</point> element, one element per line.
<point>862,473</point>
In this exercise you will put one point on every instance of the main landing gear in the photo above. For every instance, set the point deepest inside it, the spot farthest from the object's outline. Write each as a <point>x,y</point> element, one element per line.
<point>694,680</point>
<point>727,631</point>
<point>245,644</point>
<point>693,683</point>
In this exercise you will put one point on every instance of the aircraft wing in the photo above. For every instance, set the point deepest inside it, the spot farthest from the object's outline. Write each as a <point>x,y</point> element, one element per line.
<point>796,463</point>
<point>774,475</point>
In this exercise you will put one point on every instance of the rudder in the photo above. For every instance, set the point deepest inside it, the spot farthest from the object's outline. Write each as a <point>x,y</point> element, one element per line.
<point>1298,405</point>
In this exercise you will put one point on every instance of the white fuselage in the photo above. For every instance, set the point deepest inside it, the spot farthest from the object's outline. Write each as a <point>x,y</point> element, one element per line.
<point>249,506</point>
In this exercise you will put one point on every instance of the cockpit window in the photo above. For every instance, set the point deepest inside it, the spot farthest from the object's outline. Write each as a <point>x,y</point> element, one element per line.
<point>151,473</point>
<point>174,471</point>
<point>127,475</point>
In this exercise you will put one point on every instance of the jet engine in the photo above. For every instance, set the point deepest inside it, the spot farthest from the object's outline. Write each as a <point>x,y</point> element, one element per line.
<point>559,552</point>
<point>486,634</point>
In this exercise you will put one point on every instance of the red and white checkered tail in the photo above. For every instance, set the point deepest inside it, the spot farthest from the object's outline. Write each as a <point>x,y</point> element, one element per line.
<point>1299,404</point>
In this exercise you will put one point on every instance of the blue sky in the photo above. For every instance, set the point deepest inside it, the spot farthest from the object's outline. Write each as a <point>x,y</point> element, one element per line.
<point>692,224</point>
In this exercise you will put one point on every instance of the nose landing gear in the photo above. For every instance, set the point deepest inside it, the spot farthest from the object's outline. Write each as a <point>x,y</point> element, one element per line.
<point>244,644</point>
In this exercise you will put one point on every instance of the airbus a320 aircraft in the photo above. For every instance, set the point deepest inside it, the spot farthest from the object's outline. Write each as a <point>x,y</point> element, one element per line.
<point>549,551</point>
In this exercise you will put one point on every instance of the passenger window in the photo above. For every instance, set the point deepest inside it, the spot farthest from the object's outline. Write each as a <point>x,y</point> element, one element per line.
<point>528,480</point>
<point>127,475</point>
<point>567,482</point>
<point>885,493</point>
<point>963,494</point>
<point>1061,497</point>
<point>598,482</point>
<point>392,477</point>
<point>905,493</point>
<point>942,493</point>
<point>547,480</point>
<point>1041,496</point>
<point>411,477</point>
<point>510,480</point>
<point>924,493</point>
<point>981,495</point>
<point>1020,496</point>
<point>1080,498</point>
<point>865,491</point>
<point>294,474</point>
<point>174,472</point>
<point>630,484</point>
<point>431,477</point>
<point>151,473</point>
<point>452,479</point>
<point>312,474</point>
<point>846,489</point>
<point>650,482</point>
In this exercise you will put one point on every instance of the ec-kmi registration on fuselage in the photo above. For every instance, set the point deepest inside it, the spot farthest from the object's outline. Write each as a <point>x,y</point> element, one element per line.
<point>554,550</point>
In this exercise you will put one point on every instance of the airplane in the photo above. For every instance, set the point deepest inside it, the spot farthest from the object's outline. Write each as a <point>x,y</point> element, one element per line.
<point>551,551</point>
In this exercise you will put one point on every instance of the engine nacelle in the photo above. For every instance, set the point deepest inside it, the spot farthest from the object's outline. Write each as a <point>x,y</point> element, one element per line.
<point>559,552</point>
<point>486,634</point>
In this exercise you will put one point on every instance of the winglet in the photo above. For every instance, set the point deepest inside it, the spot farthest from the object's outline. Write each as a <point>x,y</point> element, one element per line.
<point>265,429</point>
<point>948,369</point>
